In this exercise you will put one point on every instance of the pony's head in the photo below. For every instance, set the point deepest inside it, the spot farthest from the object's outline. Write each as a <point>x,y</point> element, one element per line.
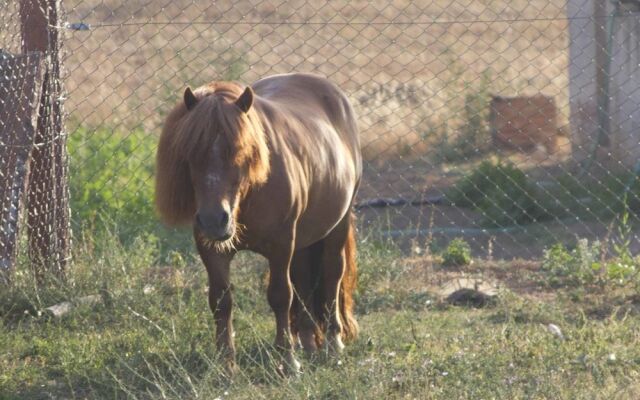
<point>211,152</point>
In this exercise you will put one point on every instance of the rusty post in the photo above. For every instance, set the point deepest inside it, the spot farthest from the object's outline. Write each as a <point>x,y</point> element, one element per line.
<point>48,208</point>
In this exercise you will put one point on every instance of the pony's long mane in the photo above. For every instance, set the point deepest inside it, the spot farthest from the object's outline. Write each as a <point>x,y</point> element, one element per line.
<point>189,135</point>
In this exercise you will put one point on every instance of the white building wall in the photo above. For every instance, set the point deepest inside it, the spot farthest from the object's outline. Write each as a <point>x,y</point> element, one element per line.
<point>625,86</point>
<point>589,34</point>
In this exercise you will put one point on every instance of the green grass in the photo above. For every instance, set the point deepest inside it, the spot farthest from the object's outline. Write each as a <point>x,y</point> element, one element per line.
<point>412,345</point>
<point>111,189</point>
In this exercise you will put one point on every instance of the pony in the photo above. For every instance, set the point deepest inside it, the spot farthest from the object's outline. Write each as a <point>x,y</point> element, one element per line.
<point>272,168</point>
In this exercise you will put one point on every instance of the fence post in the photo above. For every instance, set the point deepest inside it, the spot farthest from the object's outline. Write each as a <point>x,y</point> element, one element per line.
<point>48,208</point>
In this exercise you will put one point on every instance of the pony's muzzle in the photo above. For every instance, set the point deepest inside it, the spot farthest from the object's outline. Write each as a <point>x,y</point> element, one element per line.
<point>216,226</point>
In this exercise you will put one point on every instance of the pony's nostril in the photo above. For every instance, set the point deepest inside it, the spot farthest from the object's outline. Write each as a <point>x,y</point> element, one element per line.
<point>212,223</point>
<point>199,220</point>
<point>204,221</point>
<point>224,218</point>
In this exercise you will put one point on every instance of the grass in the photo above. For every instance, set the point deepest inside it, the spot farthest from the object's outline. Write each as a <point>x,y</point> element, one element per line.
<point>412,345</point>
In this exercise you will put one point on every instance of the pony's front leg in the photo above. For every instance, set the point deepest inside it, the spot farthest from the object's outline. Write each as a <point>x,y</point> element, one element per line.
<point>280,296</point>
<point>220,300</point>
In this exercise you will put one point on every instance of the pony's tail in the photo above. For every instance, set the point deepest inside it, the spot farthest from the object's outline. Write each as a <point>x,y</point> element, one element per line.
<point>348,285</point>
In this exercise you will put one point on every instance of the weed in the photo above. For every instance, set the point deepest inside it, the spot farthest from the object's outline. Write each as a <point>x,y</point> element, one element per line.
<point>576,267</point>
<point>625,265</point>
<point>457,253</point>
<point>587,263</point>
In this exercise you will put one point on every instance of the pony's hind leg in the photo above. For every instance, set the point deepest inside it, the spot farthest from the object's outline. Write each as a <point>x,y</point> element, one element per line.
<point>304,271</point>
<point>333,267</point>
<point>220,300</point>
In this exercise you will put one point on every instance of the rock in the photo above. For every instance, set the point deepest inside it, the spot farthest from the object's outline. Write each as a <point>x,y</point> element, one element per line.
<point>469,292</point>
<point>555,330</point>
<point>61,309</point>
<point>470,298</point>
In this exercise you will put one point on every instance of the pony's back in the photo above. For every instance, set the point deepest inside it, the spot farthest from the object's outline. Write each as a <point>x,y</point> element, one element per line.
<point>309,99</point>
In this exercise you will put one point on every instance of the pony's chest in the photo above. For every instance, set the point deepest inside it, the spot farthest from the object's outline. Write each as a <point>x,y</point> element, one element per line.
<point>312,212</point>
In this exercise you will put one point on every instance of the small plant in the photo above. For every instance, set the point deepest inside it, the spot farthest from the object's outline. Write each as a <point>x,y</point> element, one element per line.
<point>586,263</point>
<point>576,267</point>
<point>457,254</point>
<point>625,266</point>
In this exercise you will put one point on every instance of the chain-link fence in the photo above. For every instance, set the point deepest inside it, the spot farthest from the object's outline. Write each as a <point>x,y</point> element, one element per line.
<point>512,124</point>
<point>33,157</point>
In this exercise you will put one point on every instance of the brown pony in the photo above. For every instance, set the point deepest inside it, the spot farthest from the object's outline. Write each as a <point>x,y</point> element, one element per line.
<point>273,168</point>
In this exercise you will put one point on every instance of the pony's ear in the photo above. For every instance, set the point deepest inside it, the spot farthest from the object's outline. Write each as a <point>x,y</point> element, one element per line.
<point>245,100</point>
<point>190,99</point>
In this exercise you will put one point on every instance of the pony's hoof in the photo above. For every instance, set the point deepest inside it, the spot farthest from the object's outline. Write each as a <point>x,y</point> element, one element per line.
<point>231,369</point>
<point>228,362</point>
<point>290,366</point>
<point>308,343</point>
<point>334,345</point>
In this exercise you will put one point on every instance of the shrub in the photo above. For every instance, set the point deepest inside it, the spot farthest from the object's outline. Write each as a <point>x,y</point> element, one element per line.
<point>457,254</point>
<point>501,192</point>
<point>585,263</point>
<point>576,267</point>
<point>112,189</point>
<point>111,176</point>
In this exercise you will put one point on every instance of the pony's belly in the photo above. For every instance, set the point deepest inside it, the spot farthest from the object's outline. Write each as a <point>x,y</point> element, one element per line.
<point>320,218</point>
<point>328,199</point>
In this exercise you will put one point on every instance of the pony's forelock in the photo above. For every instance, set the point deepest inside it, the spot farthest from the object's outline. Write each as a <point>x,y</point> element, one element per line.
<point>197,131</point>
<point>215,115</point>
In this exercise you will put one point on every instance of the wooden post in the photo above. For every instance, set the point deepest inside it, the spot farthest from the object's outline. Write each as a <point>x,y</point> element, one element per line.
<point>48,208</point>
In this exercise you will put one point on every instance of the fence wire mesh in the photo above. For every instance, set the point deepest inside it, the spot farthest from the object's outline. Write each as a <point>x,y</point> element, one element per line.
<point>512,124</point>
<point>33,158</point>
